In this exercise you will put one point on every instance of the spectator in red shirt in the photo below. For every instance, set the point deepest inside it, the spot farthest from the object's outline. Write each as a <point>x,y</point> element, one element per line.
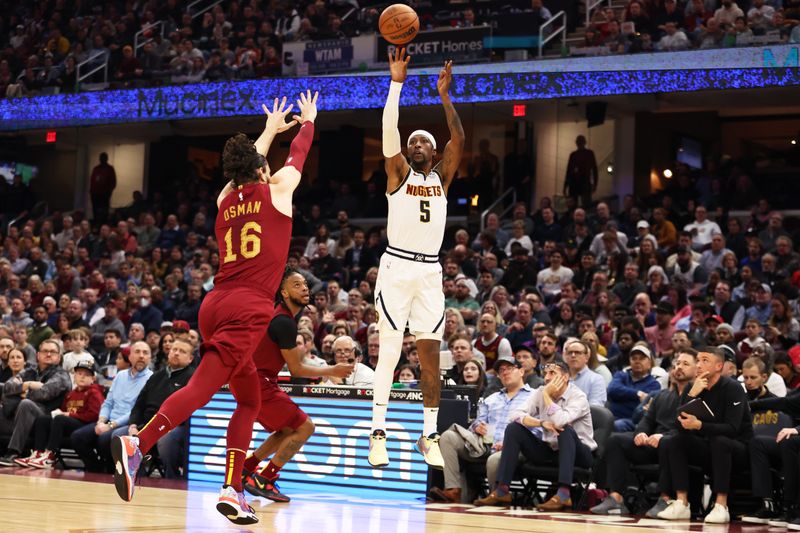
<point>81,406</point>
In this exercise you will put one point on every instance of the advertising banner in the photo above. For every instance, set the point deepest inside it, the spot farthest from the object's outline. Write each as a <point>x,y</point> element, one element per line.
<point>323,57</point>
<point>437,46</point>
<point>335,457</point>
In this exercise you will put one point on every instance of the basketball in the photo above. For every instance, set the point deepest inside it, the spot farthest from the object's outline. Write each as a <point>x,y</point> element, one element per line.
<point>399,24</point>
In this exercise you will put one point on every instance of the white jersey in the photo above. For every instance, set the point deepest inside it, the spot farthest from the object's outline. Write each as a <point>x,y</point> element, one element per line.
<point>417,214</point>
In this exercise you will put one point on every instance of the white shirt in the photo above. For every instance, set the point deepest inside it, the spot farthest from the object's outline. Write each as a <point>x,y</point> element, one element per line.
<point>704,231</point>
<point>550,280</point>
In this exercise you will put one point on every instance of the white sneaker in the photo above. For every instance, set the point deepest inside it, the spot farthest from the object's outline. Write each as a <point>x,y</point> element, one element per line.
<point>676,510</point>
<point>429,448</point>
<point>235,508</point>
<point>718,515</point>
<point>378,456</point>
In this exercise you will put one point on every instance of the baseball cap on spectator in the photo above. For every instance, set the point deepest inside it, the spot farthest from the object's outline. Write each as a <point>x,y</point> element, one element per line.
<point>665,307</point>
<point>179,326</point>
<point>726,327</point>
<point>85,365</point>
<point>682,250</point>
<point>166,325</point>
<point>642,224</point>
<point>111,303</point>
<point>583,309</point>
<point>506,361</point>
<point>728,352</point>
<point>530,350</point>
<point>643,349</point>
<point>126,354</point>
<point>518,249</point>
<point>715,318</point>
<point>766,288</point>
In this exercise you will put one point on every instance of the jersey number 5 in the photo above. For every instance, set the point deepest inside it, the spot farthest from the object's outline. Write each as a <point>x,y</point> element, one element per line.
<point>249,243</point>
<point>424,211</point>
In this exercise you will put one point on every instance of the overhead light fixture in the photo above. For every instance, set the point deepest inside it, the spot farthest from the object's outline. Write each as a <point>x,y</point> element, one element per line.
<point>610,168</point>
<point>667,173</point>
<point>794,142</point>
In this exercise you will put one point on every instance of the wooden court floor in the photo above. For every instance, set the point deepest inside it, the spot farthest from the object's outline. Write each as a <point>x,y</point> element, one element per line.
<point>39,501</point>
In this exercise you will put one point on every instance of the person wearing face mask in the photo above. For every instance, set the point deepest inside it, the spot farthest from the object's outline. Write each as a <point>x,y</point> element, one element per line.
<point>148,315</point>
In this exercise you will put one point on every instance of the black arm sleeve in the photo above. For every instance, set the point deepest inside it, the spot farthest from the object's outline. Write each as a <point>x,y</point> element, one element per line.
<point>283,331</point>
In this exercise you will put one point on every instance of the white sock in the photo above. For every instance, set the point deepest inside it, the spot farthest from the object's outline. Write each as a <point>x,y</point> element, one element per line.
<point>388,357</point>
<point>430,415</point>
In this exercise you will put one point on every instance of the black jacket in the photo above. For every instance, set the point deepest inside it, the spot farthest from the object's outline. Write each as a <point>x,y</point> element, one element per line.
<point>661,415</point>
<point>728,401</point>
<point>158,388</point>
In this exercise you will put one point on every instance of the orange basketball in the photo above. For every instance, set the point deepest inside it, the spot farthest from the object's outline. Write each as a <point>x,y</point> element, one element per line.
<point>398,24</point>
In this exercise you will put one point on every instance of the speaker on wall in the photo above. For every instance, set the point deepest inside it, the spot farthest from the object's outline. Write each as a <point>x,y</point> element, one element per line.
<point>595,113</point>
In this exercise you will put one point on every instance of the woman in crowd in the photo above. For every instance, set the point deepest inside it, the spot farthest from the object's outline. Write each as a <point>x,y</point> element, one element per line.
<point>657,283</point>
<point>473,374</point>
<point>785,368</point>
<point>344,243</point>
<point>164,346</point>
<point>782,330</point>
<point>322,235</point>
<point>407,374</point>
<point>596,355</point>
<point>499,296</point>
<point>453,321</point>
<point>490,307</point>
<point>730,269</point>
<point>12,389</point>
<point>564,322</point>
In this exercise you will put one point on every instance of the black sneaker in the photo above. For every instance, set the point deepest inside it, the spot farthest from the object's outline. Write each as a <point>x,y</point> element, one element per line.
<point>783,519</point>
<point>765,513</point>
<point>260,486</point>
<point>8,459</point>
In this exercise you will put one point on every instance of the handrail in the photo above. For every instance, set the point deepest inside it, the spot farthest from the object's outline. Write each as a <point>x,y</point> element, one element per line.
<point>209,6</point>
<point>140,33</point>
<point>104,67</point>
<point>485,213</point>
<point>590,5</point>
<point>562,30</point>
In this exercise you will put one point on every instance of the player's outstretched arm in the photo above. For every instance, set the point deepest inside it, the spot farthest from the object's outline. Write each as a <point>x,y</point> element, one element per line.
<point>285,181</point>
<point>396,164</point>
<point>454,149</point>
<point>276,123</point>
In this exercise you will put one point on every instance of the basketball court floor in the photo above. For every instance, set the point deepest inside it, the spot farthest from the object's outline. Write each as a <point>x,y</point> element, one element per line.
<point>69,501</point>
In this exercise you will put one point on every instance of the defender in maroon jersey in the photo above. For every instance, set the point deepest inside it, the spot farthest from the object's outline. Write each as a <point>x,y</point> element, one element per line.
<point>289,425</point>
<point>253,229</point>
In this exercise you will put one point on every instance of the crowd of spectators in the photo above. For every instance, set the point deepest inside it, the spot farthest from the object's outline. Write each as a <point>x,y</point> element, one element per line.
<point>44,42</point>
<point>598,304</point>
<point>672,25</point>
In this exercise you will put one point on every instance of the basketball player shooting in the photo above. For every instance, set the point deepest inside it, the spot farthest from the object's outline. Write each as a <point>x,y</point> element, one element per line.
<point>253,227</point>
<point>409,286</point>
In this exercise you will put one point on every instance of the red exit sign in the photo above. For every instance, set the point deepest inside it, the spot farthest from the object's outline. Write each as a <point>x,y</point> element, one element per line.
<point>50,137</point>
<point>520,110</point>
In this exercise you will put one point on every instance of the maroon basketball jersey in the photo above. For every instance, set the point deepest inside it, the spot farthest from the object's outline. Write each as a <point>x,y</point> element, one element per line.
<point>253,240</point>
<point>268,357</point>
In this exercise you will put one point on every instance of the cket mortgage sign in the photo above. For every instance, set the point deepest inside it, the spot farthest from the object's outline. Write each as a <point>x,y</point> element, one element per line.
<point>335,457</point>
<point>437,46</point>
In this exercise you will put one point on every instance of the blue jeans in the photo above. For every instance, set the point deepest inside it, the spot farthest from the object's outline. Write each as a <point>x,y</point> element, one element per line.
<point>172,451</point>
<point>622,425</point>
